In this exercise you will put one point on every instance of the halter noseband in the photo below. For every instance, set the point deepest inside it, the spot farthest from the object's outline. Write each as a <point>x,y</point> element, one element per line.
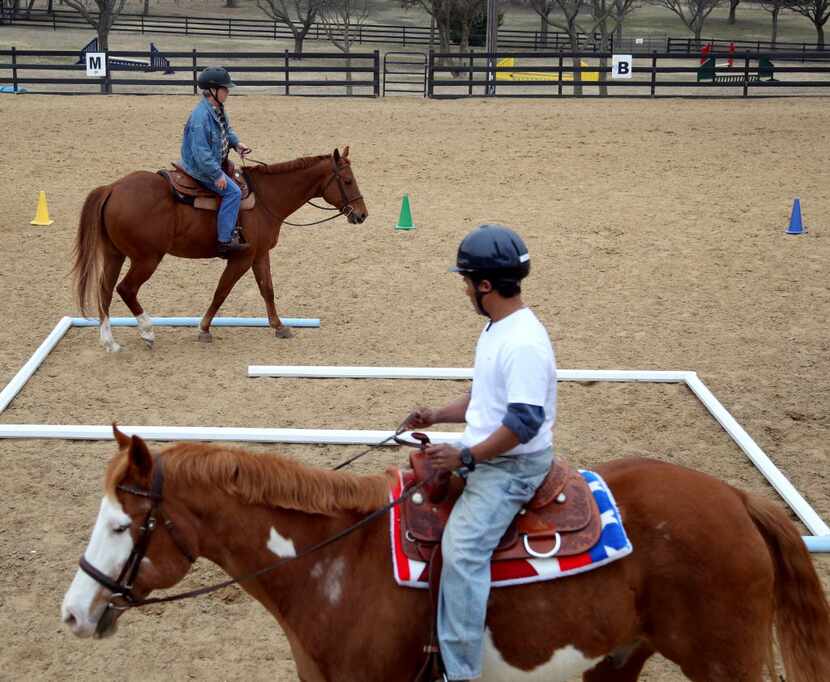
<point>122,596</point>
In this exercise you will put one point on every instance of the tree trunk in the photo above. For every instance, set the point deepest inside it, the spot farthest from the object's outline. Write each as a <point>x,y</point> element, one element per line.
<point>820,32</point>
<point>574,36</point>
<point>231,3</point>
<point>733,5</point>
<point>543,32</point>
<point>104,46</point>
<point>775,12</point>
<point>299,37</point>
<point>146,8</point>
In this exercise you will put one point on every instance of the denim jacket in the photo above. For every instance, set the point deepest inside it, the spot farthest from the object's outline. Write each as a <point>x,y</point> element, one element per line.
<point>202,143</point>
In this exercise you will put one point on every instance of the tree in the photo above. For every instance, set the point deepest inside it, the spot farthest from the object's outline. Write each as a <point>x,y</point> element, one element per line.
<point>605,17</point>
<point>102,21</point>
<point>441,12</point>
<point>693,13</point>
<point>817,11</point>
<point>733,5</point>
<point>343,19</point>
<point>774,7</point>
<point>299,15</point>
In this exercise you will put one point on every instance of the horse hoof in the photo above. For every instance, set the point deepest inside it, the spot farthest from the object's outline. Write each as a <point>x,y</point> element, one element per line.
<point>112,348</point>
<point>148,342</point>
<point>205,337</point>
<point>283,332</point>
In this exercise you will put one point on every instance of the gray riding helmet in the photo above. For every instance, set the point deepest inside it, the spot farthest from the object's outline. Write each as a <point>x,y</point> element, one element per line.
<point>495,251</point>
<point>215,77</point>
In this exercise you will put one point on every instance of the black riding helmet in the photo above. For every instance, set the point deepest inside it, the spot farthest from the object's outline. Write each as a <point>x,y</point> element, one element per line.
<point>494,253</point>
<point>215,77</point>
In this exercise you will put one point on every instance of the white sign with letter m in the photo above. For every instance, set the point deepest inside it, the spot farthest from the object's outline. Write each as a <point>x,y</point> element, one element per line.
<point>96,64</point>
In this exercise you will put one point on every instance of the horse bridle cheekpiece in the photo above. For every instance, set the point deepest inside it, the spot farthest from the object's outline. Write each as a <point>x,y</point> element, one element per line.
<point>122,596</point>
<point>347,209</point>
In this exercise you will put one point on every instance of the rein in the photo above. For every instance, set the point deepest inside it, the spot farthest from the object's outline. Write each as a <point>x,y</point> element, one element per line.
<point>123,598</point>
<point>346,210</point>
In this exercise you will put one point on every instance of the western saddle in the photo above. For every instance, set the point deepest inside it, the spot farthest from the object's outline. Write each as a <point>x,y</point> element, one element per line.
<point>562,519</point>
<point>188,191</point>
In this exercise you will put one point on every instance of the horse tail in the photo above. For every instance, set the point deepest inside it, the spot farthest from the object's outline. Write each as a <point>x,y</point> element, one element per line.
<point>802,613</point>
<point>87,266</point>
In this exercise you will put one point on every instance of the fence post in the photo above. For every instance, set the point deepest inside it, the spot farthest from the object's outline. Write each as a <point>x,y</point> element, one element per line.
<point>186,26</point>
<point>195,73</point>
<point>470,76</point>
<point>746,74</point>
<point>142,24</point>
<point>653,72</point>
<point>430,74</point>
<point>287,71</point>
<point>559,87</point>
<point>377,72</point>
<point>230,27</point>
<point>14,68</point>
<point>54,22</point>
<point>668,43</point>
<point>404,35</point>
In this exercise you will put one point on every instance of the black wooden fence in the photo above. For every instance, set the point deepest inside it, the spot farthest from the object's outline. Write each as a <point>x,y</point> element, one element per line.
<point>312,73</point>
<point>407,36</point>
<point>654,74</point>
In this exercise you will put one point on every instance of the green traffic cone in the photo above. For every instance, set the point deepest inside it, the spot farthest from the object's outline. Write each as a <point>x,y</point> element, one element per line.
<point>405,219</point>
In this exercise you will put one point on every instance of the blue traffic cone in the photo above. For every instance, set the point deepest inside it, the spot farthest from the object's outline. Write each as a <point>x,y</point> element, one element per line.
<point>796,225</point>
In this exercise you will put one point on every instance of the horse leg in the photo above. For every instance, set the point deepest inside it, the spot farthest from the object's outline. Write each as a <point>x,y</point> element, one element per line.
<point>140,271</point>
<point>113,260</point>
<point>262,273</point>
<point>624,665</point>
<point>235,268</point>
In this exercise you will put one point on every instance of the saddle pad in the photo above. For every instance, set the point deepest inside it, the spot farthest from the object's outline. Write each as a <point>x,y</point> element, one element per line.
<point>613,544</point>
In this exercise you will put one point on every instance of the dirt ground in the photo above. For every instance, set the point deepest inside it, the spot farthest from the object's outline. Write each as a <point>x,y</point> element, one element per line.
<point>656,231</point>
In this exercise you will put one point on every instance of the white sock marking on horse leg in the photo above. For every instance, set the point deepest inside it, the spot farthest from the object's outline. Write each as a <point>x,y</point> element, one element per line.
<point>282,547</point>
<point>106,337</point>
<point>145,329</point>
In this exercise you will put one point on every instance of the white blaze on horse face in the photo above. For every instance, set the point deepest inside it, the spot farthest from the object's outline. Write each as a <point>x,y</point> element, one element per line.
<point>107,551</point>
<point>106,337</point>
<point>565,664</point>
<point>282,547</point>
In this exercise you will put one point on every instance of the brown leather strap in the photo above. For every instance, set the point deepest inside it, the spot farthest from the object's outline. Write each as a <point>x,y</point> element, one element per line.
<point>433,667</point>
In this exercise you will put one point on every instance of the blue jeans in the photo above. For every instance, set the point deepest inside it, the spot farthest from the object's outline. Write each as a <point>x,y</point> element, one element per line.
<point>495,493</point>
<point>228,209</point>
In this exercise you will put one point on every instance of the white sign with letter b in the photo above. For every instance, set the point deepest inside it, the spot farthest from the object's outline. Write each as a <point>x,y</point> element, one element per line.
<point>622,66</point>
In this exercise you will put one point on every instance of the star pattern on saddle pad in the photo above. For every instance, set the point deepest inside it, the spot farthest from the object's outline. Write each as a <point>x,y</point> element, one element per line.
<point>613,544</point>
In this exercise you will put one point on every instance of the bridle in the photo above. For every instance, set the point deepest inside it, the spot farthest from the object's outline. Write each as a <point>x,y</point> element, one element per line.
<point>123,597</point>
<point>346,210</point>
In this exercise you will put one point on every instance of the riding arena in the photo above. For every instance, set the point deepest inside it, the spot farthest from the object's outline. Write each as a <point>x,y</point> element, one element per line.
<point>662,249</point>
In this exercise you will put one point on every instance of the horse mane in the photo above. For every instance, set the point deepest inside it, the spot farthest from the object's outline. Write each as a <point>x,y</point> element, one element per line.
<point>263,478</point>
<point>288,166</point>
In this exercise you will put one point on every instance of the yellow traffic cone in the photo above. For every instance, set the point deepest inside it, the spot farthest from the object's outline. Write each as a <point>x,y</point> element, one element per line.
<point>42,213</point>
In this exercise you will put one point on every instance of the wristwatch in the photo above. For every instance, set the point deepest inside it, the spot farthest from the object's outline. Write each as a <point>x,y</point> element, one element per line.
<point>467,459</point>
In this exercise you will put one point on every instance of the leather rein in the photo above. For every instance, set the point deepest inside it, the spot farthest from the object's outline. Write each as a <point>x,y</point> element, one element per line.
<point>122,596</point>
<point>346,210</point>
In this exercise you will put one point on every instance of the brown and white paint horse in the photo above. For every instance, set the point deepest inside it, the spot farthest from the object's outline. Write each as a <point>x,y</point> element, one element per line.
<point>713,571</point>
<point>136,217</point>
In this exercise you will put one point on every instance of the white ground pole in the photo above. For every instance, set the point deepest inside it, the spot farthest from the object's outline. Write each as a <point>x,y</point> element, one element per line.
<point>818,542</point>
<point>24,374</point>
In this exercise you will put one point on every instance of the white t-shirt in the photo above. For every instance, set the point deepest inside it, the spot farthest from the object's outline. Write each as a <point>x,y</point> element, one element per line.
<point>514,364</point>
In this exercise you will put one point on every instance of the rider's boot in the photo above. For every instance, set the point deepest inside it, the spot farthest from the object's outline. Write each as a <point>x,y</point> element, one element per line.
<point>233,247</point>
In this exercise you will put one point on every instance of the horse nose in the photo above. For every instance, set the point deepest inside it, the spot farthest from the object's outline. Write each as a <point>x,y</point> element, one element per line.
<point>73,621</point>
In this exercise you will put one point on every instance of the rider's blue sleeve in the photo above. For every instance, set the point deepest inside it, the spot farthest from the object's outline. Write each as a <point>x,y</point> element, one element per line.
<point>524,420</point>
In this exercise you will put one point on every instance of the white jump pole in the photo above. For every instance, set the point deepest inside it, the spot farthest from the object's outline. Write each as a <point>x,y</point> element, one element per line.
<point>457,373</point>
<point>194,322</point>
<point>757,456</point>
<point>25,372</point>
<point>213,433</point>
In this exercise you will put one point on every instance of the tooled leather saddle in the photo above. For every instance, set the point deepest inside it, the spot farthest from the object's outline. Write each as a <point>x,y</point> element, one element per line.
<point>187,190</point>
<point>562,519</point>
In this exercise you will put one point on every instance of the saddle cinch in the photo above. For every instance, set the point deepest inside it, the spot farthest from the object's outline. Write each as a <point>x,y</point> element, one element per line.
<point>188,191</point>
<point>562,519</point>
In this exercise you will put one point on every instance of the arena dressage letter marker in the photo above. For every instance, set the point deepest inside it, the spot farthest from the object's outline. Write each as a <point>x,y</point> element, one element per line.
<point>818,542</point>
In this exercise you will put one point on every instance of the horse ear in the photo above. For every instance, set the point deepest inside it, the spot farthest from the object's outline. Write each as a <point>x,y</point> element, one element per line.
<point>122,438</point>
<point>346,152</point>
<point>336,155</point>
<point>140,458</point>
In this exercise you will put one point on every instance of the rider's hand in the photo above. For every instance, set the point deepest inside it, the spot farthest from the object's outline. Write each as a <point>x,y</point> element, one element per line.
<point>419,418</point>
<point>444,457</point>
<point>221,183</point>
<point>243,150</point>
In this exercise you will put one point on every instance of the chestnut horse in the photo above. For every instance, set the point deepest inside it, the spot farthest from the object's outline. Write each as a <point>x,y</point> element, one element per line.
<point>713,572</point>
<point>136,217</point>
